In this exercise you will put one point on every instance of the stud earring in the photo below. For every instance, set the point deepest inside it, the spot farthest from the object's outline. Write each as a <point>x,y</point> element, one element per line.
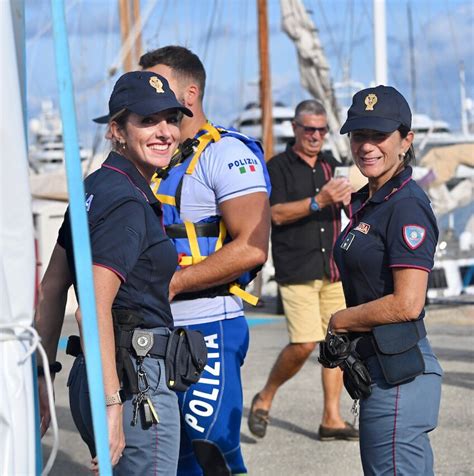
<point>401,156</point>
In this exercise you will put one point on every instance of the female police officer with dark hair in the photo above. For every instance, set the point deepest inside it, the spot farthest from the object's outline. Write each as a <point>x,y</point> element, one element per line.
<point>133,262</point>
<point>384,256</point>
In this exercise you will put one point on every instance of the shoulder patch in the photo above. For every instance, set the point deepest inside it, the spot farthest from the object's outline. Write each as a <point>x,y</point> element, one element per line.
<point>414,235</point>
<point>243,165</point>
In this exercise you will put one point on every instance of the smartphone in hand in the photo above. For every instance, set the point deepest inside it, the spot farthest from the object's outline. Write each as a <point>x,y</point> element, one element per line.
<point>341,172</point>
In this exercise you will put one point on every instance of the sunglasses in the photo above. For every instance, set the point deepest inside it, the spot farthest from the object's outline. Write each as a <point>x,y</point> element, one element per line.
<point>311,130</point>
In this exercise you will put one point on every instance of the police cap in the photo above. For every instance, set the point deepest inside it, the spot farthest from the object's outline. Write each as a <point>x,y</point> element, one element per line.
<point>143,93</point>
<point>381,108</point>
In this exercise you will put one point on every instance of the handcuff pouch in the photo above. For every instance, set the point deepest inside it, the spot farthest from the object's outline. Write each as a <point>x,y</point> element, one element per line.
<point>397,350</point>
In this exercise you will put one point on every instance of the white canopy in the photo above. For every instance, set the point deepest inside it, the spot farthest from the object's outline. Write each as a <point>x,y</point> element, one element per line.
<point>17,268</point>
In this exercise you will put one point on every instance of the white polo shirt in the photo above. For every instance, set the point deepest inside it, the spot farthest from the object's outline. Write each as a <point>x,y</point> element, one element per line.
<point>226,169</point>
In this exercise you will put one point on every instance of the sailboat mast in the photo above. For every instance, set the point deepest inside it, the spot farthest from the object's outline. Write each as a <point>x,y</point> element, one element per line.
<point>380,42</point>
<point>125,31</point>
<point>138,26</point>
<point>265,83</point>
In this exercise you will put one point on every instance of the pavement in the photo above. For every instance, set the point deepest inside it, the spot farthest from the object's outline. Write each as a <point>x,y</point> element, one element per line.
<point>291,446</point>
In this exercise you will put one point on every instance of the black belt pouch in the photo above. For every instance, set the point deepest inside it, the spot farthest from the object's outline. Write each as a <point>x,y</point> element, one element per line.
<point>186,357</point>
<point>396,347</point>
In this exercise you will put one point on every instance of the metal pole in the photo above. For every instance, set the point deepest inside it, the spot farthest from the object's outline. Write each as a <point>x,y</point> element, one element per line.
<point>462,85</point>
<point>380,42</point>
<point>265,83</point>
<point>81,241</point>
<point>124,10</point>
<point>137,25</point>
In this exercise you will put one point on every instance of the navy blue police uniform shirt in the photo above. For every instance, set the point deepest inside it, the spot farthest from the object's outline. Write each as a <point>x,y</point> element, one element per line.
<point>395,228</point>
<point>127,237</point>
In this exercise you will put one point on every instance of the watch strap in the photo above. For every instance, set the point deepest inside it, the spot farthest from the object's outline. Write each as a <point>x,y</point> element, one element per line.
<point>114,399</point>
<point>314,205</point>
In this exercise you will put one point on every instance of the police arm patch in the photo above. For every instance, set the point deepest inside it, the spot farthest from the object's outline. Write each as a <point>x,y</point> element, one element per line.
<point>414,235</point>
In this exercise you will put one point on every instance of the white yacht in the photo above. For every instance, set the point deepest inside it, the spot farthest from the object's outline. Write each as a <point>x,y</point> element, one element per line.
<point>46,152</point>
<point>249,123</point>
<point>431,133</point>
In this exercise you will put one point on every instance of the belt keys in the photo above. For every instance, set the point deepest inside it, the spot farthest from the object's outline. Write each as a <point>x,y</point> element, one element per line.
<point>142,402</point>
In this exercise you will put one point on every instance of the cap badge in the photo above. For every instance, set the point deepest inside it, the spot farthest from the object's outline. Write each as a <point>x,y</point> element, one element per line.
<point>370,102</point>
<point>157,84</point>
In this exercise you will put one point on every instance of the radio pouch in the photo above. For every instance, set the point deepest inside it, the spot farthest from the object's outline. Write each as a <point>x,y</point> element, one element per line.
<point>396,347</point>
<point>186,357</point>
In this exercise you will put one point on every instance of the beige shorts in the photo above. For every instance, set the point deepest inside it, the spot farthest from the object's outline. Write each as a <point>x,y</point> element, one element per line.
<point>308,307</point>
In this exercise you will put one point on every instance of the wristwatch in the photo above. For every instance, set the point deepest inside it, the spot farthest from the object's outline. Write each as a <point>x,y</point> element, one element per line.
<point>116,398</point>
<point>313,205</point>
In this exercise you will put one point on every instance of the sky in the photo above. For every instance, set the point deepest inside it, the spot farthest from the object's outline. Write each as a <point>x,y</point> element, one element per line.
<point>224,34</point>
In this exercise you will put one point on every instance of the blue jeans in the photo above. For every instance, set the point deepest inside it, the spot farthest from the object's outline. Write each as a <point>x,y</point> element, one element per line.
<point>212,408</point>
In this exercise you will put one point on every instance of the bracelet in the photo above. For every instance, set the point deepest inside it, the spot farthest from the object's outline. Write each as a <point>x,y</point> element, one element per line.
<point>54,368</point>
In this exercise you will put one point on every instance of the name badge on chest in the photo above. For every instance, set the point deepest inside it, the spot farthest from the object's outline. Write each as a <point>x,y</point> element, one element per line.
<point>347,241</point>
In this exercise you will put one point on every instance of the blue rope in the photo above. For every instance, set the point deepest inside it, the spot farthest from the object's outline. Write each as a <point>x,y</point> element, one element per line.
<point>80,235</point>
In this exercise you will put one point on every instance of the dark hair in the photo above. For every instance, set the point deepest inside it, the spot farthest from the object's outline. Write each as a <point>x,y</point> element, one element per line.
<point>410,153</point>
<point>185,64</point>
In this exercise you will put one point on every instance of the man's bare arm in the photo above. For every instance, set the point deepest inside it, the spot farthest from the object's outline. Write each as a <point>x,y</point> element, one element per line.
<point>247,220</point>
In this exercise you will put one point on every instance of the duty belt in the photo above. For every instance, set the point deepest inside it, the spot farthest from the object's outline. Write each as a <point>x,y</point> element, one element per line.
<point>365,345</point>
<point>124,339</point>
<point>144,342</point>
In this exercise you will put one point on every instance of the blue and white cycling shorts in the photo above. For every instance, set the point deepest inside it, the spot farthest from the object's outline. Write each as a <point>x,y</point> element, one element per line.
<point>212,408</point>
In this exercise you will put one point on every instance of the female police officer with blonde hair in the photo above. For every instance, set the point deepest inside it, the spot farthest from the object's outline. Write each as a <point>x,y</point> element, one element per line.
<point>384,256</point>
<point>133,262</point>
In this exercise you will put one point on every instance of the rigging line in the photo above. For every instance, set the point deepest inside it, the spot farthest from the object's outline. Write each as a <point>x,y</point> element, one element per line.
<point>190,30</point>
<point>177,15</point>
<point>344,42</point>
<point>112,20</point>
<point>351,38</point>
<point>447,90</point>
<point>155,37</point>
<point>132,36</point>
<point>212,60</point>
<point>213,12</point>
<point>49,25</point>
<point>243,53</point>
<point>335,46</point>
<point>453,34</point>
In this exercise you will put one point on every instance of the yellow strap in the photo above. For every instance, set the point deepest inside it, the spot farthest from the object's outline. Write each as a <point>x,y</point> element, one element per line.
<point>155,184</point>
<point>221,237</point>
<point>166,199</point>
<point>244,295</point>
<point>189,260</point>
<point>193,242</point>
<point>212,130</point>
<point>212,134</point>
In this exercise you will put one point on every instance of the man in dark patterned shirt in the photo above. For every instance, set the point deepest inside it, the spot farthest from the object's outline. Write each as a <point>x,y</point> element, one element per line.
<point>306,203</point>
